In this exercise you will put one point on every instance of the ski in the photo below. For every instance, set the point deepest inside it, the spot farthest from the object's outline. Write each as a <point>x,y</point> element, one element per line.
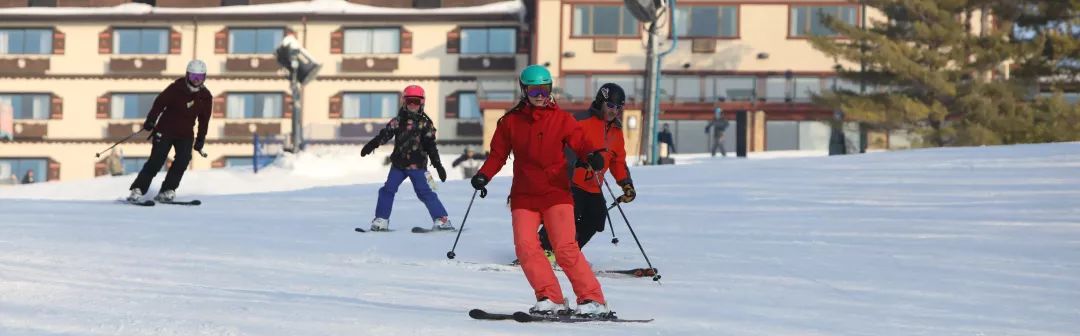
<point>483,315</point>
<point>188,203</point>
<point>363,230</point>
<point>138,203</point>
<point>526,317</point>
<point>635,272</point>
<point>417,229</point>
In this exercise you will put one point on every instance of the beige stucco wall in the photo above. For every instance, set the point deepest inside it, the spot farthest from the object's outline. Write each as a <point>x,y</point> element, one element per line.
<point>763,28</point>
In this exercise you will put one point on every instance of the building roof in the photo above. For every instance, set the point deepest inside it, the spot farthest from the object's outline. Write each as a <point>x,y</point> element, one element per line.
<point>329,9</point>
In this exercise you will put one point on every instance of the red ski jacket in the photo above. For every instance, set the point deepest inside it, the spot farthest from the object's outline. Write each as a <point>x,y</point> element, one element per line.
<point>536,137</point>
<point>609,136</point>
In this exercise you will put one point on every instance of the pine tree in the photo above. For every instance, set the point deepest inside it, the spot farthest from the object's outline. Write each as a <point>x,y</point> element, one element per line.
<point>926,65</point>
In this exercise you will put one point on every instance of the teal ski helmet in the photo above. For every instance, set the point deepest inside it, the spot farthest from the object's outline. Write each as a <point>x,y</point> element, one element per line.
<point>534,75</point>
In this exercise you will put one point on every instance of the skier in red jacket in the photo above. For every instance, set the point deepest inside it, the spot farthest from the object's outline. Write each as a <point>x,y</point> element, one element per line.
<point>536,131</point>
<point>602,128</point>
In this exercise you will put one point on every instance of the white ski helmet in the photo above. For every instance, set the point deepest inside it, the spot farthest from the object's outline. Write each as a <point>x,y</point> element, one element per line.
<point>196,67</point>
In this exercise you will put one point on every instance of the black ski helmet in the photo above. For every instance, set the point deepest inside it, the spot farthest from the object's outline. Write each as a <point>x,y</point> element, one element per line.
<point>609,92</point>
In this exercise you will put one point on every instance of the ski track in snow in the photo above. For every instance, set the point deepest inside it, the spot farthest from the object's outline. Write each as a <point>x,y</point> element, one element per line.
<point>957,241</point>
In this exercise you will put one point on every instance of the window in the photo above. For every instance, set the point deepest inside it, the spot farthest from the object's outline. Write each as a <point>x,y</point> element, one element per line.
<point>497,90</point>
<point>681,88</point>
<point>488,41</point>
<point>781,135</point>
<point>373,41</point>
<point>135,164</point>
<point>776,88</point>
<point>141,41</point>
<point>131,105</point>
<point>235,2</point>
<point>805,88</point>
<point>730,88</point>
<point>28,106</point>
<point>842,84</point>
<point>634,86</point>
<point>573,88</point>
<point>253,105</point>
<point>427,3</point>
<point>42,3</point>
<point>807,20</point>
<point>26,41</point>
<point>600,20</point>
<point>369,105</point>
<point>254,40</point>
<point>707,21</point>
<point>797,135</point>
<point>468,108</point>
<point>15,170</point>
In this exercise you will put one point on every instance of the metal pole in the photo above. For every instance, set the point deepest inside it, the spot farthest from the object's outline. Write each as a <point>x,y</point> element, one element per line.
<point>648,128</point>
<point>297,128</point>
<point>657,61</point>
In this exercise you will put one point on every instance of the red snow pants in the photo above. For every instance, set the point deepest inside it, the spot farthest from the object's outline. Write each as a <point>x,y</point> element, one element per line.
<point>559,221</point>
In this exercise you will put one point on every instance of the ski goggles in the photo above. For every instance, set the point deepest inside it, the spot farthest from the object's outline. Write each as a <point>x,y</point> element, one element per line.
<point>196,78</point>
<point>538,90</point>
<point>414,101</point>
<point>611,105</point>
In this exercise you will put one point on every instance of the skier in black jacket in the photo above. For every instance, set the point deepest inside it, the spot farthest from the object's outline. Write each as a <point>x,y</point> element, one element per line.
<point>170,121</point>
<point>414,143</point>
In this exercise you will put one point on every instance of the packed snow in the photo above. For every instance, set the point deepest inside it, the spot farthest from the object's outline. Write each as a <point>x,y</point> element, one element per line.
<point>958,241</point>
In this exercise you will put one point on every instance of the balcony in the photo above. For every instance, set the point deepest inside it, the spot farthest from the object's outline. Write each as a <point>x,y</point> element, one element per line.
<point>369,64</point>
<point>137,65</point>
<point>487,63</point>
<point>251,64</point>
<point>24,66</point>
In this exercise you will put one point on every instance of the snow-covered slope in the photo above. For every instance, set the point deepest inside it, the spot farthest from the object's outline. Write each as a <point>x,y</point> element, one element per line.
<point>963,241</point>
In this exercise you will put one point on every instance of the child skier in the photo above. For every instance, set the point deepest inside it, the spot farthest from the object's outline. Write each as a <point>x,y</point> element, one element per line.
<point>414,143</point>
<point>536,131</point>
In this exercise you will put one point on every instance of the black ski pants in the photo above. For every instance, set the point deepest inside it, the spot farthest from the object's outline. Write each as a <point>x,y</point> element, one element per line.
<point>590,212</point>
<point>158,154</point>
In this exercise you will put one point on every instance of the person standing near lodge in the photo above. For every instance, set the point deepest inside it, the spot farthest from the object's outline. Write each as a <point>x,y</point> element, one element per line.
<point>718,125</point>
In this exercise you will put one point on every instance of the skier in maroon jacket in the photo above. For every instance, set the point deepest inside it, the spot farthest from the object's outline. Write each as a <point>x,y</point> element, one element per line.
<point>170,122</point>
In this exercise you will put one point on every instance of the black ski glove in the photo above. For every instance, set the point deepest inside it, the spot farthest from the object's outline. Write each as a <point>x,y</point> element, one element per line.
<point>629,194</point>
<point>199,143</point>
<point>478,183</point>
<point>148,125</point>
<point>439,168</point>
<point>595,160</point>
<point>369,147</point>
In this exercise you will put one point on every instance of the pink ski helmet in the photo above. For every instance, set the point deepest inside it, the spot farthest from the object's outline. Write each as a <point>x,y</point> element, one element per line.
<point>413,91</point>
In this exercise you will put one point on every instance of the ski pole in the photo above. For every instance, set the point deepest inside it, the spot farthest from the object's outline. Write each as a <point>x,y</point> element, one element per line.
<point>118,142</point>
<point>202,153</point>
<point>655,277</point>
<point>451,254</point>
<point>607,213</point>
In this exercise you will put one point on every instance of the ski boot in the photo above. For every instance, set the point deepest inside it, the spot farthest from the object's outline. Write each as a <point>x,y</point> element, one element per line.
<point>165,196</point>
<point>136,194</point>
<point>443,224</point>
<point>380,224</point>
<point>593,309</point>
<point>546,307</point>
